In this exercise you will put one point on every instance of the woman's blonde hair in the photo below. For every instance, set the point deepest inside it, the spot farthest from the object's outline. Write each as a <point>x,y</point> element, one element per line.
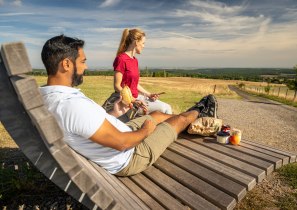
<point>128,36</point>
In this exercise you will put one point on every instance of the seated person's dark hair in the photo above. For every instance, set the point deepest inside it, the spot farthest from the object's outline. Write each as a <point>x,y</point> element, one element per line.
<point>58,48</point>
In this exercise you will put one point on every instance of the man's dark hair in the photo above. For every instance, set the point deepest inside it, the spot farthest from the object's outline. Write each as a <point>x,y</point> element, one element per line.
<point>58,48</point>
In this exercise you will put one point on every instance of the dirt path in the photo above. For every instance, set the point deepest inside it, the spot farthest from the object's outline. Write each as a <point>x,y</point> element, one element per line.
<point>261,120</point>
<point>270,123</point>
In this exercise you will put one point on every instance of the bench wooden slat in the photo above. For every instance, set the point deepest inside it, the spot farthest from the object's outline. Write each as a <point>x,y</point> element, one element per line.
<point>243,150</point>
<point>232,162</point>
<point>157,193</point>
<point>246,180</point>
<point>63,155</point>
<point>289,154</point>
<point>27,91</point>
<point>232,152</point>
<point>183,193</point>
<point>121,189</point>
<point>145,197</point>
<point>46,124</point>
<point>220,182</point>
<point>114,186</point>
<point>15,58</point>
<point>83,180</point>
<point>285,159</point>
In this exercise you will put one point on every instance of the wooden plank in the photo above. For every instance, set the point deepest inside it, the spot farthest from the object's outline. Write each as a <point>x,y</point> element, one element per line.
<point>194,198</point>
<point>276,161</point>
<point>99,197</point>
<point>246,180</point>
<point>77,194</point>
<point>96,191</point>
<point>116,188</point>
<point>27,91</point>
<point>60,178</point>
<point>46,164</point>
<point>145,197</point>
<point>157,193</point>
<point>289,154</point>
<point>285,159</point>
<point>251,170</point>
<point>15,58</point>
<point>232,152</point>
<point>83,180</point>
<point>46,124</point>
<point>220,182</point>
<point>110,184</point>
<point>65,158</point>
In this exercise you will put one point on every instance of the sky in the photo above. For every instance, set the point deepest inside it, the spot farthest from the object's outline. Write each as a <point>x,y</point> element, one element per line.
<point>179,33</point>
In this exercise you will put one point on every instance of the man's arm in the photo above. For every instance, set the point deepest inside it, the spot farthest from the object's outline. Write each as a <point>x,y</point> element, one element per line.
<point>109,136</point>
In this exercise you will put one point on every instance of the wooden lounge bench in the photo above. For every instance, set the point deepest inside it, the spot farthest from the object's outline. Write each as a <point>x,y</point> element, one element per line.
<point>194,172</point>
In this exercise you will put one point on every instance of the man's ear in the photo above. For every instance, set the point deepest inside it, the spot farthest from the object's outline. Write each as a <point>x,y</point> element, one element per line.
<point>66,64</point>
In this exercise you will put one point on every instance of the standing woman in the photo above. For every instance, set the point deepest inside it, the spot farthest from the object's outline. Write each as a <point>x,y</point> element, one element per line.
<point>127,72</point>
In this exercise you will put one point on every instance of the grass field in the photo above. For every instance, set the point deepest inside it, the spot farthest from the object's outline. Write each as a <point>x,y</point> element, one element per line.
<point>181,92</point>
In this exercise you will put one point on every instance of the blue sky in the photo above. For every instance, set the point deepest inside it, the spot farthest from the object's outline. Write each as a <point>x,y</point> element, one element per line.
<point>180,33</point>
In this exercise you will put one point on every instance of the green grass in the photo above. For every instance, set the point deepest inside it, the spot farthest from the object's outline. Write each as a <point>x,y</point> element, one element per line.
<point>287,202</point>
<point>178,95</point>
<point>281,100</point>
<point>289,172</point>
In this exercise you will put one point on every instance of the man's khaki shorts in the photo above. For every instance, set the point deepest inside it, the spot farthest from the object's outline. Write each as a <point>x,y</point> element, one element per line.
<point>150,149</point>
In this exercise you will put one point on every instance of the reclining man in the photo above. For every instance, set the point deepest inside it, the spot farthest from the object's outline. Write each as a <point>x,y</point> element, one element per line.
<point>122,149</point>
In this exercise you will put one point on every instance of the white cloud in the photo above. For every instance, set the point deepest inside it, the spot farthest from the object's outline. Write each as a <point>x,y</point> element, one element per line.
<point>216,7</point>
<point>105,29</point>
<point>109,3</point>
<point>1,2</point>
<point>180,35</point>
<point>17,3</point>
<point>188,25</point>
<point>16,14</point>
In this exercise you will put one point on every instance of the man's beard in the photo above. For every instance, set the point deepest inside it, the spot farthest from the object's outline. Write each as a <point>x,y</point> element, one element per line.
<point>77,79</point>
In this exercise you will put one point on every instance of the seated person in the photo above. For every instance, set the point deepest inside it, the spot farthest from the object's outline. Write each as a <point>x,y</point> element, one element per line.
<point>127,72</point>
<point>122,149</point>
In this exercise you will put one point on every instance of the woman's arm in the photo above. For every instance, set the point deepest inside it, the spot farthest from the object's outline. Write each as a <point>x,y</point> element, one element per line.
<point>143,91</point>
<point>117,80</point>
<point>152,96</point>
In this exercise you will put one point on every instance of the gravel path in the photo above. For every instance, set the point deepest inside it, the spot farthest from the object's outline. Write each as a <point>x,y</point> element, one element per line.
<point>265,122</point>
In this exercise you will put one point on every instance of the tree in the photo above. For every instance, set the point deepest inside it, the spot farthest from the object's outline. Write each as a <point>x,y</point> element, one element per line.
<point>292,84</point>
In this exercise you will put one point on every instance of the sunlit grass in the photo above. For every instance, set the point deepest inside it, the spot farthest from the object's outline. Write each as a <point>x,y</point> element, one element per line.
<point>181,92</point>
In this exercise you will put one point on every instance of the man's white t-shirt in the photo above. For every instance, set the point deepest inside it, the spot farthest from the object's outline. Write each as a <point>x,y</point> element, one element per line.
<point>80,117</point>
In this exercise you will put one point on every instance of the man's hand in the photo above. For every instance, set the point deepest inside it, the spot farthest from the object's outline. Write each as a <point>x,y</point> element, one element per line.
<point>148,126</point>
<point>142,105</point>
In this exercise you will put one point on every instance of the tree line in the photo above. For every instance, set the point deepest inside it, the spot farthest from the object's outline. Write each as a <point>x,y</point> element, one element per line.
<point>244,74</point>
